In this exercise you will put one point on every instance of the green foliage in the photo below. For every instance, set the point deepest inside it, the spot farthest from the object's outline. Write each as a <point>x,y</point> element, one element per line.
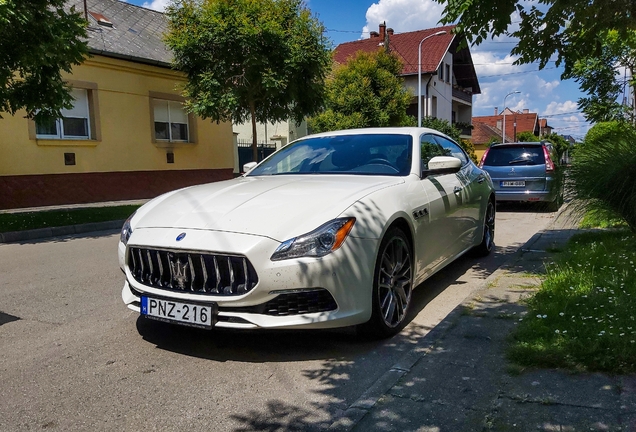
<point>602,174</point>
<point>365,92</point>
<point>56,218</point>
<point>527,137</point>
<point>601,218</point>
<point>556,28</point>
<point>599,78</point>
<point>469,148</point>
<point>561,145</point>
<point>39,40</point>
<point>443,126</point>
<point>583,316</point>
<point>261,59</point>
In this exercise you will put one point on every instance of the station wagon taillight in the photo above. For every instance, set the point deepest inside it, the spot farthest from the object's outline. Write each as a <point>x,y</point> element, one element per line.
<point>483,158</point>
<point>549,165</point>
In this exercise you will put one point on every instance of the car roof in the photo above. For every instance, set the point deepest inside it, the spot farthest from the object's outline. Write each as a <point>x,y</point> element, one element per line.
<point>378,130</point>
<point>519,143</point>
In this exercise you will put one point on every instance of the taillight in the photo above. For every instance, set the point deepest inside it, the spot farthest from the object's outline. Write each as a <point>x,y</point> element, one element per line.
<point>549,165</point>
<point>483,158</point>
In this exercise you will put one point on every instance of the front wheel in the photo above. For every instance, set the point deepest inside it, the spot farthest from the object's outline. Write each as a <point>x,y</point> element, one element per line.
<point>488,239</point>
<point>392,286</point>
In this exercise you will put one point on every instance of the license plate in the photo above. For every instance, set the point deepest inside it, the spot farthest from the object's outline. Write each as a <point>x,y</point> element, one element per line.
<point>518,183</point>
<point>190,314</point>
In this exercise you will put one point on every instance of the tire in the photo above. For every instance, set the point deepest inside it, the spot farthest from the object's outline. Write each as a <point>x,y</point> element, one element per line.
<point>392,286</point>
<point>488,239</point>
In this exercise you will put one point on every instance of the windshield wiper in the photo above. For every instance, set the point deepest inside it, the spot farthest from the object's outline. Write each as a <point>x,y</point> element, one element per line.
<point>522,160</point>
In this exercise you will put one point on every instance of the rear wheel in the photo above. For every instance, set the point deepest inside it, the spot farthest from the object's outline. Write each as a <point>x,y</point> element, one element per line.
<point>488,240</point>
<point>392,286</point>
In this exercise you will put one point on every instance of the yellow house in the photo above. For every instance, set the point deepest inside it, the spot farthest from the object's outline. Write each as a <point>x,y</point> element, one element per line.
<point>127,136</point>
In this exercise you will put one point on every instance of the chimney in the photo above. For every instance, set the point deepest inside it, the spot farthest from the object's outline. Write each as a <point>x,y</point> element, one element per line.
<point>389,31</point>
<point>374,34</point>
<point>496,111</point>
<point>382,30</point>
<point>526,111</point>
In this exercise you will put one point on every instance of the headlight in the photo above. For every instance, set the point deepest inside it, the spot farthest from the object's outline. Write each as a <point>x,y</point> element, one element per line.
<point>126,230</point>
<point>320,242</point>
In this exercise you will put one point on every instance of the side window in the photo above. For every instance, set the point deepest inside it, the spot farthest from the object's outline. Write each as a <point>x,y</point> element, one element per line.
<point>453,149</point>
<point>430,149</point>
<point>74,123</point>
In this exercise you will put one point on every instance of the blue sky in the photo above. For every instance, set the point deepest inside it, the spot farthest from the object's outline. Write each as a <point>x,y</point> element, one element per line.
<point>542,92</point>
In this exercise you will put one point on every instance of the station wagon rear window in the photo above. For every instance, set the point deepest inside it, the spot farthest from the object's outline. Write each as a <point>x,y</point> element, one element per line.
<point>514,155</point>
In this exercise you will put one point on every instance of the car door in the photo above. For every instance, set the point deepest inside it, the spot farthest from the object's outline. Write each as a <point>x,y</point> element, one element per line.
<point>470,192</point>
<point>439,230</point>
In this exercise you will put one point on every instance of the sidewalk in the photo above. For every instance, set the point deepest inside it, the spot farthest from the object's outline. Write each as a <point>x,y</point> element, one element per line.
<point>457,377</point>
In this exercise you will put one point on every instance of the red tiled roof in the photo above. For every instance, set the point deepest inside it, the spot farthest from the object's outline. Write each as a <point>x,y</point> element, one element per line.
<point>483,133</point>
<point>525,122</point>
<point>405,46</point>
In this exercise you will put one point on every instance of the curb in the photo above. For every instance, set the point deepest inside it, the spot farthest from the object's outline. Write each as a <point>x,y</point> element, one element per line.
<point>40,233</point>
<point>364,404</point>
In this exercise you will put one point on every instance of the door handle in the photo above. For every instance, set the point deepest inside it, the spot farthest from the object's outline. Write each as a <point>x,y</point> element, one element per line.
<point>457,189</point>
<point>481,179</point>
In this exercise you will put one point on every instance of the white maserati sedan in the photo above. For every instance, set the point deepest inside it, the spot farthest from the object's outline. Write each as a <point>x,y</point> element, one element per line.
<point>332,230</point>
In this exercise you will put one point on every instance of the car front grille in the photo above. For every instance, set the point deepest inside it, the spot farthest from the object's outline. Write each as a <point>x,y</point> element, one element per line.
<point>198,273</point>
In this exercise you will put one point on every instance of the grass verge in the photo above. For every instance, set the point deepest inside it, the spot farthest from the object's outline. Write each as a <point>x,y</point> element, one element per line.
<point>56,218</point>
<point>584,316</point>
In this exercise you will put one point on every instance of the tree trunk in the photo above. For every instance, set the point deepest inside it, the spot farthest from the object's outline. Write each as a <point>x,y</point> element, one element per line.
<point>254,141</point>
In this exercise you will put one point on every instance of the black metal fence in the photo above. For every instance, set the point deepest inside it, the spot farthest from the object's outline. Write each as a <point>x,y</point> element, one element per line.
<point>245,151</point>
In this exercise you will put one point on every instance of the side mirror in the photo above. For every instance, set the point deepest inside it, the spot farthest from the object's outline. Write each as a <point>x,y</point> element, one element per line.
<point>442,165</point>
<point>249,166</point>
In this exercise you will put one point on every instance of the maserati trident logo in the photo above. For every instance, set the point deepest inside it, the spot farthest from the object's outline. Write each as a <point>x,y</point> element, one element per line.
<point>179,273</point>
<point>181,236</point>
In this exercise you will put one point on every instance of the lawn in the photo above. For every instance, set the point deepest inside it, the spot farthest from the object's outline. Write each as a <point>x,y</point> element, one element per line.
<point>583,317</point>
<point>56,218</point>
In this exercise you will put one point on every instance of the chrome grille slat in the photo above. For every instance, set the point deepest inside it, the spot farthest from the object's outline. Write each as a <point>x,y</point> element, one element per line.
<point>194,272</point>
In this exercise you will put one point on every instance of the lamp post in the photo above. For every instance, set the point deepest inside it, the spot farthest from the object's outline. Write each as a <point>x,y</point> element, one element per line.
<point>419,76</point>
<point>503,132</point>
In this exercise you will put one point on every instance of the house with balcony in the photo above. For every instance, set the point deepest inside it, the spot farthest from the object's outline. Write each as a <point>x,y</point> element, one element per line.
<point>448,77</point>
<point>127,135</point>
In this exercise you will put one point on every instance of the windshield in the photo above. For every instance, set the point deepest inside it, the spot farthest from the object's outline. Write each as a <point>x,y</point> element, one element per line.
<point>514,155</point>
<point>363,154</point>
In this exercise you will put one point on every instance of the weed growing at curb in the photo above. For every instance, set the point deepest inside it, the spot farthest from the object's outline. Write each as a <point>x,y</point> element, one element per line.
<point>63,217</point>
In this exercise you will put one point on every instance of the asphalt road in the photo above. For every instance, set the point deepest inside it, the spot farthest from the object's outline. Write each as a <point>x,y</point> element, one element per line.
<point>72,357</point>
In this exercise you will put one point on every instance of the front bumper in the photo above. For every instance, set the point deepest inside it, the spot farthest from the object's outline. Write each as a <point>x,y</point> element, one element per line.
<point>345,275</point>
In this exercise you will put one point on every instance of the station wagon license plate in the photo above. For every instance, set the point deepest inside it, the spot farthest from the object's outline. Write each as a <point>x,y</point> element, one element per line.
<point>518,183</point>
<point>189,314</point>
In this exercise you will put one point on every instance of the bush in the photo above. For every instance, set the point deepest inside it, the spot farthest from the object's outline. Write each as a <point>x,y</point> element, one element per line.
<point>603,174</point>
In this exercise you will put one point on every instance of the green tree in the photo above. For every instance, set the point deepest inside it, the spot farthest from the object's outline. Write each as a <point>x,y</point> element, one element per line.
<point>600,79</point>
<point>563,29</point>
<point>39,40</point>
<point>527,137</point>
<point>365,92</point>
<point>264,60</point>
<point>561,145</point>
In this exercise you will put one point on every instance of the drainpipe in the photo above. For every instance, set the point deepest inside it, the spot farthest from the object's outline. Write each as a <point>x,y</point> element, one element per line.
<point>427,102</point>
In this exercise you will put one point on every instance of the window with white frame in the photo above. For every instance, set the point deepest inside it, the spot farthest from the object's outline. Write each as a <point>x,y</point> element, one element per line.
<point>171,121</point>
<point>448,73</point>
<point>74,123</point>
<point>440,72</point>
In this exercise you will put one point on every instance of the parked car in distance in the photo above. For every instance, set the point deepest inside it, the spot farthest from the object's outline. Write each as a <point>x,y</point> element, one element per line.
<point>525,171</point>
<point>332,230</point>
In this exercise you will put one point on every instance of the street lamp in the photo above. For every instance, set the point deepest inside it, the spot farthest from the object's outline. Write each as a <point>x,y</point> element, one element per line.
<point>419,76</point>
<point>503,132</point>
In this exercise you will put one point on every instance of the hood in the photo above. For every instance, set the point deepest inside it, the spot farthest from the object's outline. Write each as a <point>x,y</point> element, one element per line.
<point>278,207</point>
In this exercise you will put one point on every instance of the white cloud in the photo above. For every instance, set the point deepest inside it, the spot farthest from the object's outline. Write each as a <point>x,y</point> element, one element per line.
<point>403,15</point>
<point>560,108</point>
<point>158,5</point>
